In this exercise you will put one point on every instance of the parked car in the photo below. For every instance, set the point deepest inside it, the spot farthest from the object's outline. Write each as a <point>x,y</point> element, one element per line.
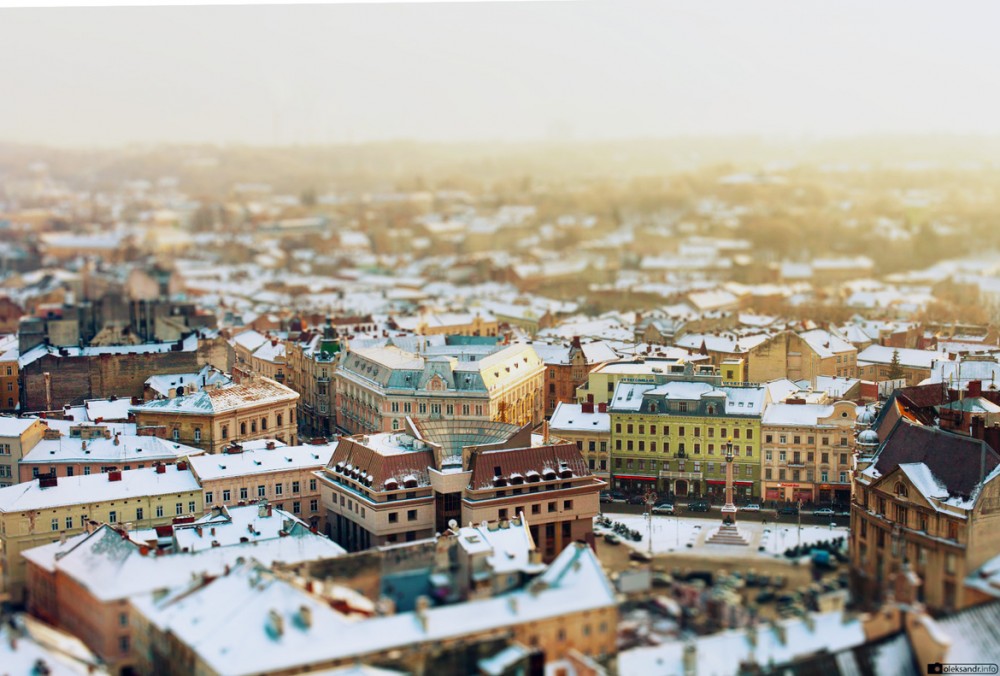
<point>605,498</point>
<point>788,509</point>
<point>612,539</point>
<point>823,511</point>
<point>640,555</point>
<point>637,499</point>
<point>698,506</point>
<point>750,508</point>
<point>663,508</point>
<point>617,497</point>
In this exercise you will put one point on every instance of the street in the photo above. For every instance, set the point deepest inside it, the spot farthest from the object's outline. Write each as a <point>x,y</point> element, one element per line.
<point>764,514</point>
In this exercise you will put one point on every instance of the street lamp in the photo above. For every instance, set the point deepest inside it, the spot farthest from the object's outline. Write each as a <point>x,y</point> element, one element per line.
<point>729,508</point>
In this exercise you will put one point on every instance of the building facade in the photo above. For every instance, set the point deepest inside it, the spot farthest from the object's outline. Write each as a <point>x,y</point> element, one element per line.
<point>255,408</point>
<point>377,388</point>
<point>399,487</point>
<point>43,511</point>
<point>673,438</point>
<point>808,452</point>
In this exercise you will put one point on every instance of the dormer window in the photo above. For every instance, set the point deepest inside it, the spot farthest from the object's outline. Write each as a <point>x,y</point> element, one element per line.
<point>900,490</point>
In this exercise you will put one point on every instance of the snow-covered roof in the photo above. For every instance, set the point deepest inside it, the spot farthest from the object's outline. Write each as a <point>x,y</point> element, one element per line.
<point>116,450</point>
<point>252,392</point>
<point>796,415</point>
<point>223,465</point>
<point>825,344</point>
<point>571,418</point>
<point>880,354</point>
<point>87,489</point>
<point>723,652</point>
<point>628,396</point>
<point>15,427</point>
<point>218,620</point>
<point>112,567</point>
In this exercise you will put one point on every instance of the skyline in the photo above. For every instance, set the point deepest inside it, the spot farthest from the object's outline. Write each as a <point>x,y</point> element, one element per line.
<point>505,72</point>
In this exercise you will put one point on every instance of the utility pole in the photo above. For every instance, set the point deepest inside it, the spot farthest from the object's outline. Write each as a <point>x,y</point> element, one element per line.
<point>798,515</point>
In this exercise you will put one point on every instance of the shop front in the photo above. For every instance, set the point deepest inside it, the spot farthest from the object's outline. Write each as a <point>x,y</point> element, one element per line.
<point>634,483</point>
<point>742,490</point>
<point>789,492</point>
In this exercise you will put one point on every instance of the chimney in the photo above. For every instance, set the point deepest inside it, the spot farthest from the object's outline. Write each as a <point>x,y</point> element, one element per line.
<point>587,407</point>
<point>690,659</point>
<point>117,438</point>
<point>602,407</point>
<point>275,623</point>
<point>422,605</point>
<point>161,469</point>
<point>262,510</point>
<point>182,466</point>
<point>545,432</point>
<point>305,616</point>
<point>270,445</point>
<point>115,475</point>
<point>975,388</point>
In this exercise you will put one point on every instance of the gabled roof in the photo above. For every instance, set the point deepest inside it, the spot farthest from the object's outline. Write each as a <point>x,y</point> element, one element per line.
<point>954,460</point>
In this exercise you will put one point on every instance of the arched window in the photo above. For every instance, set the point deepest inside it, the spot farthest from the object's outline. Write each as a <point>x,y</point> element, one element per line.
<point>900,489</point>
<point>243,428</point>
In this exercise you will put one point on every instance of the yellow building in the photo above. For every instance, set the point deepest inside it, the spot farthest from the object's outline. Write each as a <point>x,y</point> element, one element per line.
<point>10,389</point>
<point>673,438</point>
<point>17,437</point>
<point>256,408</point>
<point>601,382</point>
<point>50,508</point>
<point>802,356</point>
<point>450,324</point>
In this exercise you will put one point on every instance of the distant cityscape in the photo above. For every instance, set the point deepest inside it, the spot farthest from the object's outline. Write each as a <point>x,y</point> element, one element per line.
<point>326,412</point>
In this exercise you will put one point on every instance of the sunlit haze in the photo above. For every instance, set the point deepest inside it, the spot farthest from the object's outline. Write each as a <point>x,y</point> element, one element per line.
<point>503,71</point>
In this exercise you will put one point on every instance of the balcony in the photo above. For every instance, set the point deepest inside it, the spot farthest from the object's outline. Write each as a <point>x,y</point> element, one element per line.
<point>323,379</point>
<point>690,476</point>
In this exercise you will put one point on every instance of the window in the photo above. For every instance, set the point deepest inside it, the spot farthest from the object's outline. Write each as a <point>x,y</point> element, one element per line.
<point>312,484</point>
<point>393,517</point>
<point>767,473</point>
<point>567,504</point>
<point>680,431</point>
<point>226,495</point>
<point>139,514</point>
<point>736,433</point>
<point>159,511</point>
<point>296,507</point>
<point>176,434</point>
<point>86,470</point>
<point>261,491</point>
<point>796,439</point>
<point>630,428</point>
<point>179,508</point>
<point>295,487</point>
<point>191,508</point>
<point>243,428</point>
<point>123,644</point>
<point>769,439</point>
<point>69,522</point>
<point>112,517</point>
<point>843,477</point>
<point>502,514</point>
<point>824,476</point>
<point>197,434</point>
<point>55,523</point>
<point>122,619</point>
<point>411,515</point>
<point>552,506</point>
<point>949,563</point>
<point>952,530</point>
<point>225,431</point>
<point>278,419</point>
<point>278,489</point>
<point>209,498</point>
<point>750,434</point>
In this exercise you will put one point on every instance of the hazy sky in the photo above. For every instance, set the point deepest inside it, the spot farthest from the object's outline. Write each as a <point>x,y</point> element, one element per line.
<point>267,74</point>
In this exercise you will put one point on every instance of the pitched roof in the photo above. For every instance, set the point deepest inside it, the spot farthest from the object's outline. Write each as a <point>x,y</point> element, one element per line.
<point>954,460</point>
<point>485,464</point>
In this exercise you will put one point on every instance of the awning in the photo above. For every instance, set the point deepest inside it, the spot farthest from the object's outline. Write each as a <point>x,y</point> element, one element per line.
<point>716,482</point>
<point>635,478</point>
